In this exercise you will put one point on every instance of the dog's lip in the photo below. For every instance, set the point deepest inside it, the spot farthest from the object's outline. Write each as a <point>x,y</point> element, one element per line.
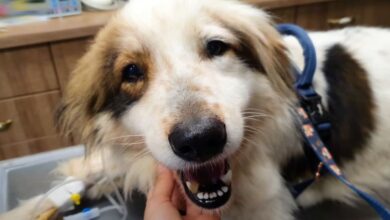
<point>212,193</point>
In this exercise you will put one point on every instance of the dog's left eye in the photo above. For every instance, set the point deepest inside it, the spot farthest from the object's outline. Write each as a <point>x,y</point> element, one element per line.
<point>132,73</point>
<point>216,48</point>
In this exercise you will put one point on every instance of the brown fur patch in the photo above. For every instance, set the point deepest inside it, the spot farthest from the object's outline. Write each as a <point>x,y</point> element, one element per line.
<point>351,103</point>
<point>247,53</point>
<point>261,47</point>
<point>96,84</point>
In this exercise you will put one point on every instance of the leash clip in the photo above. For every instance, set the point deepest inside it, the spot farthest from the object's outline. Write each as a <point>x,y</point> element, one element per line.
<point>316,111</point>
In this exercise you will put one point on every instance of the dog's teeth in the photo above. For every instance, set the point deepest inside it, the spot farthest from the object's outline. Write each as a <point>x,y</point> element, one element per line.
<point>225,189</point>
<point>220,193</point>
<point>227,178</point>
<point>205,195</point>
<point>200,195</point>
<point>192,186</point>
<point>213,195</point>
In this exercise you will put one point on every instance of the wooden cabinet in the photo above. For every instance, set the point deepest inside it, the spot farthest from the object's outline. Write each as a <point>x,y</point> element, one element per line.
<point>31,83</point>
<point>66,55</point>
<point>32,117</point>
<point>312,17</point>
<point>32,123</point>
<point>363,12</point>
<point>25,71</point>
<point>33,146</point>
<point>283,15</point>
<point>325,15</point>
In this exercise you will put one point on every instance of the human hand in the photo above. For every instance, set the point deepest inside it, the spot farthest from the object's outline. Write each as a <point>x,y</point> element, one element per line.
<point>162,201</point>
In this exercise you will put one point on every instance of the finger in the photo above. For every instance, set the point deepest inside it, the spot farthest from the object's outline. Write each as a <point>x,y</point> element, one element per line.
<point>195,212</point>
<point>158,205</point>
<point>178,199</point>
<point>164,185</point>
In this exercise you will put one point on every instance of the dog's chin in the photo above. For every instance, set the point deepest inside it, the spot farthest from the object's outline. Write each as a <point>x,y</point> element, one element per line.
<point>209,185</point>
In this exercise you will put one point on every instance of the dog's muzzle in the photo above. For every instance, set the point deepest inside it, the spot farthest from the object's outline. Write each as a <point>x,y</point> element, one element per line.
<point>200,140</point>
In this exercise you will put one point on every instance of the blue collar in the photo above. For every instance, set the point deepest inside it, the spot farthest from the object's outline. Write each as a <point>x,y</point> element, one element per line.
<point>313,119</point>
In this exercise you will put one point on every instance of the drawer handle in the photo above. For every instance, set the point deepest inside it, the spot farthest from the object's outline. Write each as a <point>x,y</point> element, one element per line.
<point>341,22</point>
<point>4,126</point>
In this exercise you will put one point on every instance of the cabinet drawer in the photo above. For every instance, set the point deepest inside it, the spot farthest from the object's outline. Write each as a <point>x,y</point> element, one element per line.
<point>32,146</point>
<point>66,55</point>
<point>26,70</point>
<point>31,116</point>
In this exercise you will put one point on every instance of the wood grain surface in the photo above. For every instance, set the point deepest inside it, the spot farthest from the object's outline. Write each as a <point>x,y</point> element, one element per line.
<point>25,71</point>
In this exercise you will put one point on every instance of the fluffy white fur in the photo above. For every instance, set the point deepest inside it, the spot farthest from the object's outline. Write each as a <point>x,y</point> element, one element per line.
<point>172,30</point>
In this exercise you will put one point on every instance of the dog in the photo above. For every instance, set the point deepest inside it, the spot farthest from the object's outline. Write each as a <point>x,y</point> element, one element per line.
<point>206,88</point>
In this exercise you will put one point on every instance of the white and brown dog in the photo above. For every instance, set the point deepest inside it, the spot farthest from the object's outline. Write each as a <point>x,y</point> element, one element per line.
<point>205,87</point>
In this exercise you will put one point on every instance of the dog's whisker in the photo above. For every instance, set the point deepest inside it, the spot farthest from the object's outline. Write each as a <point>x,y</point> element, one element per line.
<point>132,142</point>
<point>253,129</point>
<point>249,141</point>
<point>255,132</point>
<point>141,154</point>
<point>125,136</point>
<point>249,108</point>
<point>258,115</point>
<point>250,112</point>
<point>254,112</point>
<point>129,144</point>
<point>254,119</point>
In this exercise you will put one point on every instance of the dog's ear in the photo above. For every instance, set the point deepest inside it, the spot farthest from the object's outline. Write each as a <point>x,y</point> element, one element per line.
<point>260,46</point>
<point>90,85</point>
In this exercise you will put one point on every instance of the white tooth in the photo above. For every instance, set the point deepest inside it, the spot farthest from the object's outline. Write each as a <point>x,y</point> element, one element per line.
<point>200,195</point>
<point>213,195</point>
<point>205,195</point>
<point>227,178</point>
<point>220,193</point>
<point>225,189</point>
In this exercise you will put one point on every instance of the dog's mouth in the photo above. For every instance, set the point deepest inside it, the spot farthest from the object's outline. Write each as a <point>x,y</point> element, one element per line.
<point>208,186</point>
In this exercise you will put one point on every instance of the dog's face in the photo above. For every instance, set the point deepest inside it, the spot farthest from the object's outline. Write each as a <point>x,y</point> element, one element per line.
<point>182,74</point>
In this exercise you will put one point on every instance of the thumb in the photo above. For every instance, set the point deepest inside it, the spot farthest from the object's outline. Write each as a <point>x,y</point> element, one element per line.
<point>195,212</point>
<point>164,185</point>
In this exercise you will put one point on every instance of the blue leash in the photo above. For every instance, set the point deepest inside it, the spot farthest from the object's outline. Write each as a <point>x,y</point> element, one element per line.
<point>312,118</point>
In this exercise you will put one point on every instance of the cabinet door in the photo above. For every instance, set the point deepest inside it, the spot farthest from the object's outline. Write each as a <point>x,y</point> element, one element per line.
<point>66,55</point>
<point>363,12</point>
<point>32,119</point>
<point>26,70</point>
<point>313,16</point>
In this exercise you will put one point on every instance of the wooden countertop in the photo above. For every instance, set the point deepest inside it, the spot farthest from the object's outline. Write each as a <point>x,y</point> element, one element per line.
<point>88,23</point>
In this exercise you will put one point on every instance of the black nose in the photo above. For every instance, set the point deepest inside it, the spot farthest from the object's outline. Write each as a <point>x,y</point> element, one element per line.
<point>198,139</point>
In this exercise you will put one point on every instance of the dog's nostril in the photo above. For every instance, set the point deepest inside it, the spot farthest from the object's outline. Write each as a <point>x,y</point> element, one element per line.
<point>198,139</point>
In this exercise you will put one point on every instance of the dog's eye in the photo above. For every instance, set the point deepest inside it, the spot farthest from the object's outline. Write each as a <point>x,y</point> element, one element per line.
<point>132,73</point>
<point>216,48</point>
